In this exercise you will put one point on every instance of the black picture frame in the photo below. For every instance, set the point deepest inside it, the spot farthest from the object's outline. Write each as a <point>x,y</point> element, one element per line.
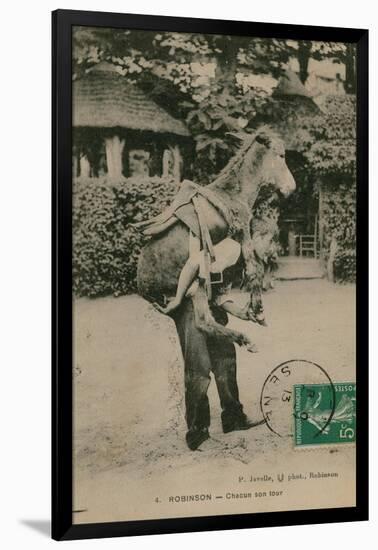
<point>62,525</point>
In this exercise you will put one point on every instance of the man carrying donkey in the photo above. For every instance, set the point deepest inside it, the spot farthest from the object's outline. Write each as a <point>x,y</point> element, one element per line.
<point>201,246</point>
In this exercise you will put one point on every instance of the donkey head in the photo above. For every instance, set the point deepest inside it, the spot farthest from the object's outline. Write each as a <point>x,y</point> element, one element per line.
<point>274,169</point>
<point>265,158</point>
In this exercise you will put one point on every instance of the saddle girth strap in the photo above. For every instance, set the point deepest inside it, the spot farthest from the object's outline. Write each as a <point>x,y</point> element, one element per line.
<point>207,245</point>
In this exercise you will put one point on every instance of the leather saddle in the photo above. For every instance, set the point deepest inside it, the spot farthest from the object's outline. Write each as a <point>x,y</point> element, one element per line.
<point>191,204</point>
<point>205,215</point>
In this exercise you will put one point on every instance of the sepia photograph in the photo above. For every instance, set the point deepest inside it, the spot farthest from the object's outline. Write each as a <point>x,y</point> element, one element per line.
<point>214,269</point>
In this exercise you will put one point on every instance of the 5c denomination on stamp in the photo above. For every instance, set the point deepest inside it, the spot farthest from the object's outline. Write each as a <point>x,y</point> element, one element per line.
<point>313,421</point>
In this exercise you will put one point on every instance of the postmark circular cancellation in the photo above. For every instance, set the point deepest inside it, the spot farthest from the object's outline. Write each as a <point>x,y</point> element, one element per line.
<point>293,394</point>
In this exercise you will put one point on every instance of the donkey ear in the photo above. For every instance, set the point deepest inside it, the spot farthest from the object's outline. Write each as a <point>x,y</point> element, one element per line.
<point>263,139</point>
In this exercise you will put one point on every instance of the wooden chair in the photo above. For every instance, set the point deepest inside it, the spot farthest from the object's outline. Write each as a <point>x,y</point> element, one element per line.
<point>309,243</point>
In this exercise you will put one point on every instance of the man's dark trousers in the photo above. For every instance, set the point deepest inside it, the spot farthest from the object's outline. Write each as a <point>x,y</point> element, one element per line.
<point>204,354</point>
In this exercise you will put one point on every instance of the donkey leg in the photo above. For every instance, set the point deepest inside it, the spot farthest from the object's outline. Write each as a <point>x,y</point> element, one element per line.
<point>205,321</point>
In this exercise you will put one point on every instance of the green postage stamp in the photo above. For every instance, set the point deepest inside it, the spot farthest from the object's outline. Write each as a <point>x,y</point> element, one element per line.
<point>324,414</point>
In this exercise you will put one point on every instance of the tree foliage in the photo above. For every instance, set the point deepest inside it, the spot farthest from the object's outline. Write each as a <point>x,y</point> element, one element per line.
<point>217,83</point>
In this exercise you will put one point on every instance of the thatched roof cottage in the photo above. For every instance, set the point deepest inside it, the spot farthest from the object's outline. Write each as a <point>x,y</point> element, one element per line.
<point>119,130</point>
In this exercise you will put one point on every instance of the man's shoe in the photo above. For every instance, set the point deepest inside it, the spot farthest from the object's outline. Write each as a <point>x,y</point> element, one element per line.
<point>195,438</point>
<point>237,424</point>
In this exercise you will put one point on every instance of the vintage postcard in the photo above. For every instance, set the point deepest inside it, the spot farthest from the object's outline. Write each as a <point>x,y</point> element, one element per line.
<point>214,270</point>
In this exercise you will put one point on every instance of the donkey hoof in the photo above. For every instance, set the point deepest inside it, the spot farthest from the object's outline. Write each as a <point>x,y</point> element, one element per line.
<point>260,319</point>
<point>245,341</point>
<point>252,348</point>
<point>158,307</point>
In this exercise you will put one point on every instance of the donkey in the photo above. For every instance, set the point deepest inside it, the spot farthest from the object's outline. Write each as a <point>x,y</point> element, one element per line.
<point>259,161</point>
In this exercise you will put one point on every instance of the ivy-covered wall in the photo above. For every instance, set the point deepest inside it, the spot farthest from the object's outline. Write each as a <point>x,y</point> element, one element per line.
<point>332,157</point>
<point>339,218</point>
<point>324,136</point>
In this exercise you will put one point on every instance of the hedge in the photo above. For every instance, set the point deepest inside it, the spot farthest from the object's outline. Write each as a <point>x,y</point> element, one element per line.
<point>105,247</point>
